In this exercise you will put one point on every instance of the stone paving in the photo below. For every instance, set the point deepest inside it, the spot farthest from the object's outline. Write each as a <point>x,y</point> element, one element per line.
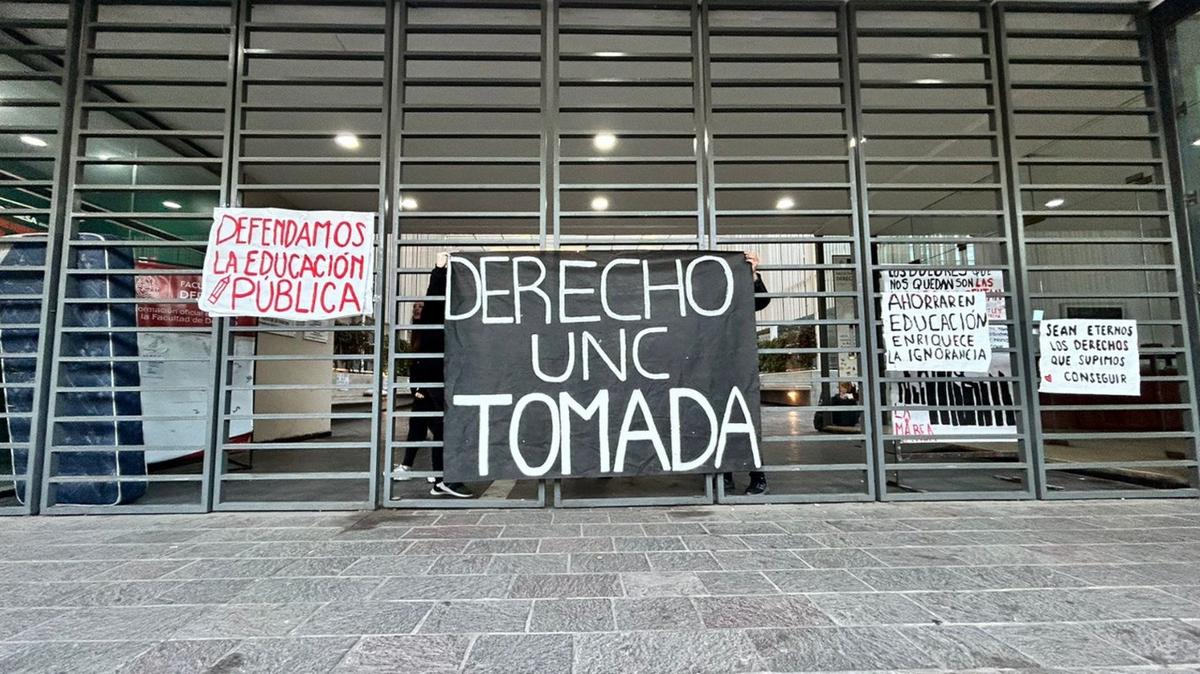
<point>1078,586</point>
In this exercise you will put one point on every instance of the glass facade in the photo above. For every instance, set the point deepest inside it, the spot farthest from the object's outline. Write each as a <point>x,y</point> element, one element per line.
<point>1019,148</point>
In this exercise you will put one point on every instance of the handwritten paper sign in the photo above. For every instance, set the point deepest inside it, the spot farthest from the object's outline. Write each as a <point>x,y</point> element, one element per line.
<point>936,331</point>
<point>589,364</point>
<point>943,403</point>
<point>297,265</point>
<point>1097,357</point>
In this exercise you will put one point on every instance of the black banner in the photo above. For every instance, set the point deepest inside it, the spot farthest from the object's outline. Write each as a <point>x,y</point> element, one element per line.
<point>600,364</point>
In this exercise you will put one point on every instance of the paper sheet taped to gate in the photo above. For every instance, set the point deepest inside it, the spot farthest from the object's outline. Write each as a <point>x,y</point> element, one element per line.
<point>1089,356</point>
<point>295,265</point>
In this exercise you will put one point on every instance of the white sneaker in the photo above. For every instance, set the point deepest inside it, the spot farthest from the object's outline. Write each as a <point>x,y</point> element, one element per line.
<point>402,472</point>
<point>454,489</point>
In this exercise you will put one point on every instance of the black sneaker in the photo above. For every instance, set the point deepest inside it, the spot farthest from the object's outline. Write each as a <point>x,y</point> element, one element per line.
<point>757,486</point>
<point>729,486</point>
<point>455,489</point>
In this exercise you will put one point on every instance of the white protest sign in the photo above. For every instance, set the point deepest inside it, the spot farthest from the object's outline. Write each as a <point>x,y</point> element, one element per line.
<point>962,407</point>
<point>295,265</point>
<point>936,331</point>
<point>1092,356</point>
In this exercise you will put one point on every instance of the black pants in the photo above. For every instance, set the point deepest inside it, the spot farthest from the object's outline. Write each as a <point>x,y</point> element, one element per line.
<point>754,475</point>
<point>429,400</point>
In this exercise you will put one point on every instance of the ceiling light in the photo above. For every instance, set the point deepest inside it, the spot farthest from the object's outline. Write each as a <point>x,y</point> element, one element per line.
<point>610,54</point>
<point>604,141</point>
<point>347,140</point>
<point>930,80</point>
<point>173,205</point>
<point>600,204</point>
<point>34,141</point>
<point>408,204</point>
<point>785,204</point>
<point>1055,202</point>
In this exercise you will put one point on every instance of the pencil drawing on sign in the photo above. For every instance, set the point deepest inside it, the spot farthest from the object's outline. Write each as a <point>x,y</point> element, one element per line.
<point>570,364</point>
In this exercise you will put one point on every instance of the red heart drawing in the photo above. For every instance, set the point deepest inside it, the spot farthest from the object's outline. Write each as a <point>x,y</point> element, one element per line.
<point>1049,378</point>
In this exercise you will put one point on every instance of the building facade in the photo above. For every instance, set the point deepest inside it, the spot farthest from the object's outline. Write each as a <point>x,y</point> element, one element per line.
<point>1046,151</point>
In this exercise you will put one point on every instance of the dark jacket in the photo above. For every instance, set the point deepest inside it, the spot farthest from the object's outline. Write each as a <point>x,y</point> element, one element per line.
<point>760,303</point>
<point>427,340</point>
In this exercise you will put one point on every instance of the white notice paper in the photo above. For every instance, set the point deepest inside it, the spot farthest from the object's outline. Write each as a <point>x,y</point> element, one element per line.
<point>1092,356</point>
<point>945,331</point>
<point>294,265</point>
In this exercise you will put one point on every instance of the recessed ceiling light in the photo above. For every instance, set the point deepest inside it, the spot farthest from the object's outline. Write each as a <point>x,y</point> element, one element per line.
<point>347,140</point>
<point>785,203</point>
<point>173,205</point>
<point>930,80</point>
<point>34,141</point>
<point>600,204</point>
<point>610,54</point>
<point>1055,202</point>
<point>604,141</point>
<point>408,204</point>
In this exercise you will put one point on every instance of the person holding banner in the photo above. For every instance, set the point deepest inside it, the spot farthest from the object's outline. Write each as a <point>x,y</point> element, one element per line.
<point>428,371</point>
<point>758,479</point>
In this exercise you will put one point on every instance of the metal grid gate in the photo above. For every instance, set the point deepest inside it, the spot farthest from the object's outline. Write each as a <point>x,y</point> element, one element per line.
<point>1099,239</point>
<point>783,177</point>
<point>300,402</point>
<point>934,190</point>
<point>33,69</point>
<point>468,174</point>
<point>131,380</point>
<point>847,143</point>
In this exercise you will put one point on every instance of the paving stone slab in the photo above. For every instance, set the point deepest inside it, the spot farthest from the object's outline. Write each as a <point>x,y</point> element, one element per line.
<point>548,586</point>
<point>600,562</point>
<point>520,654</point>
<point>669,652</point>
<point>760,611</point>
<point>247,621</point>
<point>443,587</point>
<point>1064,645</point>
<point>40,658</point>
<point>364,617</point>
<point>543,563</point>
<point>432,653</point>
<point>837,649</point>
<point>307,655</point>
<point>956,647</point>
<point>736,582</point>
<point>572,615</point>
<point>198,655</point>
<point>656,613</point>
<point>662,584</point>
<point>477,616</point>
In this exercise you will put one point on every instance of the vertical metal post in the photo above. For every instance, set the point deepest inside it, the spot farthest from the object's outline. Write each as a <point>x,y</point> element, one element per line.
<point>214,467</point>
<point>384,264</point>
<point>706,199</point>
<point>1021,334</point>
<point>394,152</point>
<point>549,220</point>
<point>860,222</point>
<point>1185,271</point>
<point>37,461</point>
<point>85,13</point>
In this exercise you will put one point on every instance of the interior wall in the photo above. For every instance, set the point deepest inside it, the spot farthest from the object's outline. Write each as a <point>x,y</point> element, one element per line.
<point>317,402</point>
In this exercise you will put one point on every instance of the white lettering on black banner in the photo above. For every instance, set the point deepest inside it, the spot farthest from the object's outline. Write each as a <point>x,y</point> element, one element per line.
<point>562,364</point>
